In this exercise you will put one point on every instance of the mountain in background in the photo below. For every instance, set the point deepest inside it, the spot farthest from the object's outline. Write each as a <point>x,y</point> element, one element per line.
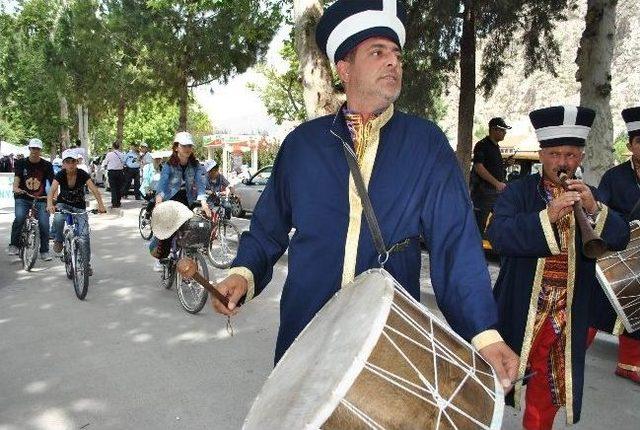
<point>515,96</point>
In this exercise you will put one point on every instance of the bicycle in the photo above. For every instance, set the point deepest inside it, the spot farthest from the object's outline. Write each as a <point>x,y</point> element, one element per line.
<point>144,218</point>
<point>75,253</point>
<point>190,241</point>
<point>225,235</point>
<point>30,235</point>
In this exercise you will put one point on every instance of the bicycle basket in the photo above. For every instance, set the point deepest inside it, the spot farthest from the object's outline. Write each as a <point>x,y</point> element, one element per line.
<point>195,233</point>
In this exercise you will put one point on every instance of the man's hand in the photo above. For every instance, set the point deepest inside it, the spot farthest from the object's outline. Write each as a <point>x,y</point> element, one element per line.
<point>51,209</point>
<point>101,208</point>
<point>501,186</point>
<point>562,205</point>
<point>588,201</point>
<point>504,362</point>
<point>234,287</point>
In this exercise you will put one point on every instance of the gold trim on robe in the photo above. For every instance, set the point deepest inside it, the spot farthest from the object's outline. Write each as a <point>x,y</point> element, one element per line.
<point>549,235</point>
<point>618,327</point>
<point>368,151</point>
<point>568,356</point>
<point>601,219</point>
<point>525,351</point>
<point>531,319</point>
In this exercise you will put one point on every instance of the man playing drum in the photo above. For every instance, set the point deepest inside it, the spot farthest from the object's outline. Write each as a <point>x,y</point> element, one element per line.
<point>545,280</point>
<point>620,190</point>
<point>413,180</point>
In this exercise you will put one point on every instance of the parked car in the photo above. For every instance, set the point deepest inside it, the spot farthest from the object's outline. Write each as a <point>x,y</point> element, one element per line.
<point>246,194</point>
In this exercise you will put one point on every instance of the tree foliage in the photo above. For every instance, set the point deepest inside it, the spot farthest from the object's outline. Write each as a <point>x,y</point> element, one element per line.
<point>154,121</point>
<point>195,42</point>
<point>282,93</point>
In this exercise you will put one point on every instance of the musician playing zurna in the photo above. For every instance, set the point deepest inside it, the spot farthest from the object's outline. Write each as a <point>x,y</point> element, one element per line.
<point>620,190</point>
<point>414,182</point>
<point>545,280</point>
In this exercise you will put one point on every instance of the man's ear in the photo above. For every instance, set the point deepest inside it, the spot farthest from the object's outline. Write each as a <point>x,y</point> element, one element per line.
<point>343,67</point>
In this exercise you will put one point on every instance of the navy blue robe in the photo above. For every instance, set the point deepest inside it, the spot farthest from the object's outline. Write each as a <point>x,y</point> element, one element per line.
<point>620,191</point>
<point>518,233</point>
<point>416,189</point>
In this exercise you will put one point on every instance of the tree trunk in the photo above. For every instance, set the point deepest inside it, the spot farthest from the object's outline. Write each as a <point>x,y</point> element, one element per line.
<point>467,100</point>
<point>64,120</point>
<point>183,102</point>
<point>320,98</point>
<point>83,127</point>
<point>122,106</point>
<point>594,74</point>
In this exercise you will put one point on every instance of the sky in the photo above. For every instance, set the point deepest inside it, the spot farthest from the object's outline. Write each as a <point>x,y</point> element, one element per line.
<point>233,107</point>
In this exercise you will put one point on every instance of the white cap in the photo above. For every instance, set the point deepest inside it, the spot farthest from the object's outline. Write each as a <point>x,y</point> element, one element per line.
<point>168,217</point>
<point>69,153</point>
<point>34,143</point>
<point>210,165</point>
<point>143,143</point>
<point>184,138</point>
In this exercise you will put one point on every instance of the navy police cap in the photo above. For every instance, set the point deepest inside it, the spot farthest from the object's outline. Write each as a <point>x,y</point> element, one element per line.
<point>562,125</point>
<point>631,117</point>
<point>346,23</point>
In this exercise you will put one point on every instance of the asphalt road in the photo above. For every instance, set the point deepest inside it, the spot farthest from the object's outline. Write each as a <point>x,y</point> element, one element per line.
<point>130,357</point>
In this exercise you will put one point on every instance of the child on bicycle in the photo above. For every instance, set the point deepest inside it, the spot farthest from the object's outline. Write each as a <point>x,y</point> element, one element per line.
<point>70,181</point>
<point>216,183</point>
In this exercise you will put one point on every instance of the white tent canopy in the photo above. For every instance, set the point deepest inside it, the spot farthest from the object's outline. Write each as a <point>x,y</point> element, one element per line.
<point>7,148</point>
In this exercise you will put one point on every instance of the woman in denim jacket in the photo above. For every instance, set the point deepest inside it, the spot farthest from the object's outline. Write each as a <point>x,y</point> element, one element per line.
<point>182,177</point>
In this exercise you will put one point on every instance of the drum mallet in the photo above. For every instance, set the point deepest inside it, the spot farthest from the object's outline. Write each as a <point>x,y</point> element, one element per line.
<point>523,377</point>
<point>189,269</point>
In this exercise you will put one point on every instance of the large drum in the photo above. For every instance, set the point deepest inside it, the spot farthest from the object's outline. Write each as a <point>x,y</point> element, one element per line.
<point>619,275</point>
<point>374,358</point>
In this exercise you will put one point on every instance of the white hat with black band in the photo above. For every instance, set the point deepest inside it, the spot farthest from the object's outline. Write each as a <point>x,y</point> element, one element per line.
<point>347,23</point>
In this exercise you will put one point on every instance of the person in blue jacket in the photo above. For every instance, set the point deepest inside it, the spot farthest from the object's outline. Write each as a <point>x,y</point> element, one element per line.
<point>181,178</point>
<point>620,189</point>
<point>414,182</point>
<point>545,281</point>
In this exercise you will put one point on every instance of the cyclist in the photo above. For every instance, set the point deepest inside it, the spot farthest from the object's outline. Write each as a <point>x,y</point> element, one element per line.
<point>216,183</point>
<point>70,181</point>
<point>31,176</point>
<point>182,177</point>
<point>181,180</point>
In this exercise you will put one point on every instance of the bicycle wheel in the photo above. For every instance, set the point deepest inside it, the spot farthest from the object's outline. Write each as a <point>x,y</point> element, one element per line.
<point>66,256</point>
<point>144,223</point>
<point>30,245</point>
<point>80,263</point>
<point>191,295</point>
<point>168,276</point>
<point>236,207</point>
<point>224,248</point>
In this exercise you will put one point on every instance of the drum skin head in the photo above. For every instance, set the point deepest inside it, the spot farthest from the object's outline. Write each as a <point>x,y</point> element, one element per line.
<point>321,365</point>
<point>617,273</point>
<point>373,357</point>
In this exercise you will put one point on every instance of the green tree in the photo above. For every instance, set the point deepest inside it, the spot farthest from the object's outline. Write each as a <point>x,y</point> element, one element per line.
<point>594,59</point>
<point>620,151</point>
<point>441,34</point>
<point>282,94</point>
<point>31,81</point>
<point>153,120</point>
<point>195,42</point>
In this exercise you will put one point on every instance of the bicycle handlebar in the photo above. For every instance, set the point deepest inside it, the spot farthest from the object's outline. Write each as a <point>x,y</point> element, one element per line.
<point>66,212</point>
